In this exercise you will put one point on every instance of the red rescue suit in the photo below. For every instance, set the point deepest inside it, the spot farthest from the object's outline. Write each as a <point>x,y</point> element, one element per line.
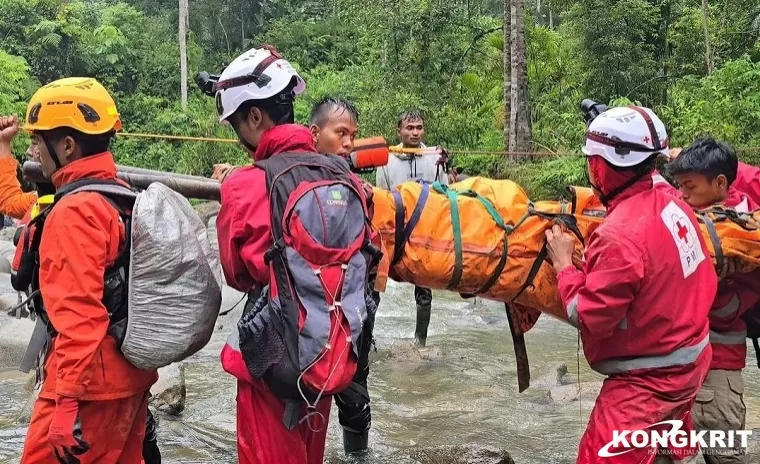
<point>244,232</point>
<point>82,238</point>
<point>748,181</point>
<point>641,303</point>
<point>736,294</point>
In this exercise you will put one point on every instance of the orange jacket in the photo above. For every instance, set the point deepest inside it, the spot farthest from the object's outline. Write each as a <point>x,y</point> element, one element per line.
<point>13,201</point>
<point>83,236</point>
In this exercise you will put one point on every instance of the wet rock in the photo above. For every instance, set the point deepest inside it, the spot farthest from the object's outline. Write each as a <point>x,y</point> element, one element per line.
<point>26,412</point>
<point>169,393</point>
<point>469,454</point>
<point>557,376</point>
<point>402,350</point>
<point>566,394</point>
<point>7,233</point>
<point>7,249</point>
<point>14,337</point>
<point>207,210</point>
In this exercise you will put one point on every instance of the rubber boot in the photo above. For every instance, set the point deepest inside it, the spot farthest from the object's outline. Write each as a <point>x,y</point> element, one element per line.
<point>423,321</point>
<point>355,442</point>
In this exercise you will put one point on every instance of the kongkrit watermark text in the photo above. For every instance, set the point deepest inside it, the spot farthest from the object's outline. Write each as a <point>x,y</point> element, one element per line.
<point>674,438</point>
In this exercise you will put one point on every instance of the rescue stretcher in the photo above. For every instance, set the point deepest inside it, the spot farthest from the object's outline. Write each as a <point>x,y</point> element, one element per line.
<point>484,237</point>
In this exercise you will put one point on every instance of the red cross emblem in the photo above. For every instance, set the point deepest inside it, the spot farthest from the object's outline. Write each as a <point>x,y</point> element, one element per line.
<point>683,232</point>
<point>646,139</point>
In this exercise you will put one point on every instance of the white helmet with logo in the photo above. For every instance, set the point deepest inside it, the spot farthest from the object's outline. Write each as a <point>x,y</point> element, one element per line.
<point>626,136</point>
<point>258,74</point>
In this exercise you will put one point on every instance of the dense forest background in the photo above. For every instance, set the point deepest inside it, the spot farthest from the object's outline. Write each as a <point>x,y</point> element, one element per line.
<point>696,62</point>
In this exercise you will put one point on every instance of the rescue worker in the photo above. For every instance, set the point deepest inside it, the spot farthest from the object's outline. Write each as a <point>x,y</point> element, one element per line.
<point>414,167</point>
<point>262,117</point>
<point>14,202</point>
<point>334,124</point>
<point>24,206</point>
<point>705,173</point>
<point>93,402</point>
<point>643,293</point>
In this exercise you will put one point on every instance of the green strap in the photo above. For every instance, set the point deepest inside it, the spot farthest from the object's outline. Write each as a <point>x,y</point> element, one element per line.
<point>452,195</point>
<point>456,224</point>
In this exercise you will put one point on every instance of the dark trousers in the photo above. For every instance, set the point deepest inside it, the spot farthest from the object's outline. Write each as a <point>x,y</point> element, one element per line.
<point>423,296</point>
<point>150,452</point>
<point>354,413</point>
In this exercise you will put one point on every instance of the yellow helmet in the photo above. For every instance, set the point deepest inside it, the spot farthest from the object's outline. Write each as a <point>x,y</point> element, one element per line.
<point>80,103</point>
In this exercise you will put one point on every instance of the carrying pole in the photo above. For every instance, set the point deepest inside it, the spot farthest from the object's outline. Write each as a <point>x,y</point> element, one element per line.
<point>188,186</point>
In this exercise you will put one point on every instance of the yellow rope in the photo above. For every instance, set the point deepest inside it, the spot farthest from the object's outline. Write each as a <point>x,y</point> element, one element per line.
<point>175,137</point>
<point>392,149</point>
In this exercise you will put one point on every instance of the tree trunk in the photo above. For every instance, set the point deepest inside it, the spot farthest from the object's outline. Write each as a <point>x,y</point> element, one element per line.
<point>262,10</point>
<point>519,120</point>
<point>705,26</point>
<point>507,70</point>
<point>664,50</point>
<point>551,16</point>
<point>183,17</point>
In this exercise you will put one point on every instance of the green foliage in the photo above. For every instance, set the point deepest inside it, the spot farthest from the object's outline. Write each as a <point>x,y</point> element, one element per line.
<point>725,104</point>
<point>442,58</point>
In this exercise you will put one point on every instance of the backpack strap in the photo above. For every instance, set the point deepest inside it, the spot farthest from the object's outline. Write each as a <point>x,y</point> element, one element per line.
<point>403,235</point>
<point>115,284</point>
<point>116,193</point>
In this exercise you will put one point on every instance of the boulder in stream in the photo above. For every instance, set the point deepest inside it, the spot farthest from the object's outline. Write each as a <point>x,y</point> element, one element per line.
<point>566,394</point>
<point>402,350</point>
<point>169,393</point>
<point>14,337</point>
<point>557,376</point>
<point>468,454</point>
<point>207,210</point>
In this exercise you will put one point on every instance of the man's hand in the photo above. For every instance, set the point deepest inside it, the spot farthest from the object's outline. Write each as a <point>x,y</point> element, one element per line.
<point>369,196</point>
<point>8,130</point>
<point>221,171</point>
<point>560,246</point>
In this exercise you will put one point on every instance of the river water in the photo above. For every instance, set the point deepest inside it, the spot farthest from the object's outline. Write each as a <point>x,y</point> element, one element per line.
<point>461,389</point>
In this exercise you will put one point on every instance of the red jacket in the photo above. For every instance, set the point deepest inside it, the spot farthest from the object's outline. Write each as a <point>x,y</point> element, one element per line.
<point>13,201</point>
<point>736,295</point>
<point>642,299</point>
<point>748,181</point>
<point>83,236</point>
<point>243,226</point>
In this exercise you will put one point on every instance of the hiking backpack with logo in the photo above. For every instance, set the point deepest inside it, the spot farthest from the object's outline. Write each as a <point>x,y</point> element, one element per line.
<point>304,334</point>
<point>163,293</point>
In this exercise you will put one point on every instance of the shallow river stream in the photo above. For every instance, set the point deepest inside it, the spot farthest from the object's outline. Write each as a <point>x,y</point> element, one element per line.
<point>461,389</point>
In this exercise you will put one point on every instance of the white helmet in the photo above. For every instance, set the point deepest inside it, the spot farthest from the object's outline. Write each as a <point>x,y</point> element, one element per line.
<point>626,136</point>
<point>257,74</point>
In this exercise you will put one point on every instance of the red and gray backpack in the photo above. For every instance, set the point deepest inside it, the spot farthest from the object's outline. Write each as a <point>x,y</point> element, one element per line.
<point>304,334</point>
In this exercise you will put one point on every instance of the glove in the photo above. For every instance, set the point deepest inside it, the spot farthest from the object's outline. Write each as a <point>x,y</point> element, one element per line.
<point>65,433</point>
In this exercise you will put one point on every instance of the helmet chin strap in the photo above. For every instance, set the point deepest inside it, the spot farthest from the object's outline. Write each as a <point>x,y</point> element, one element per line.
<point>51,151</point>
<point>605,198</point>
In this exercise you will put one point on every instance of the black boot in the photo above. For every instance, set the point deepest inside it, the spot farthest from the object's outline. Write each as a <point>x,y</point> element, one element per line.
<point>423,321</point>
<point>355,442</point>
